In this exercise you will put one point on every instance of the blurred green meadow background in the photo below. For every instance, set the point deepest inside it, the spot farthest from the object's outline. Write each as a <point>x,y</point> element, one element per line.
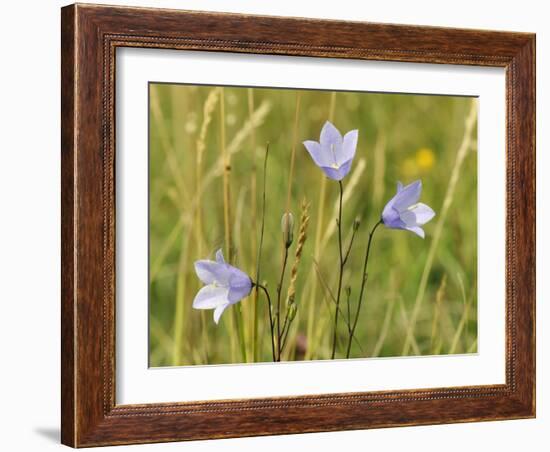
<point>206,155</point>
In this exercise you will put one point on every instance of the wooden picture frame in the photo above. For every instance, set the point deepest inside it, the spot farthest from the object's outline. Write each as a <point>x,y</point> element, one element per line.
<point>90,36</point>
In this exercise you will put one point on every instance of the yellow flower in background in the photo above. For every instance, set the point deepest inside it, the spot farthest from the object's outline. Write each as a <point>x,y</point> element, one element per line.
<point>420,163</point>
<point>425,159</point>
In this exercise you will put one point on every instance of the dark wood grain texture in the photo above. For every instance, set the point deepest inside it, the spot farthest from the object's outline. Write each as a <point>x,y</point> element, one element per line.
<point>68,298</point>
<point>90,35</point>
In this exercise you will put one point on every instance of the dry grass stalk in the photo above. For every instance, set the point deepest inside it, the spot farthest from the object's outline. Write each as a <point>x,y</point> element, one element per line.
<point>207,114</point>
<point>164,134</point>
<point>226,160</point>
<point>293,155</point>
<point>302,236</point>
<point>208,110</point>
<point>181,310</point>
<point>256,120</point>
<point>291,291</point>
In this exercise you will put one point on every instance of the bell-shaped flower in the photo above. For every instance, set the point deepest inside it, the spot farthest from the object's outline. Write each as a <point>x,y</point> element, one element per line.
<point>404,211</point>
<point>333,154</point>
<point>224,285</point>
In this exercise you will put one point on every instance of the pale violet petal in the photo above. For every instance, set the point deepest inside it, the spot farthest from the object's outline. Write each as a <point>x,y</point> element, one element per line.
<point>349,147</point>
<point>237,276</point>
<point>423,213</point>
<point>207,271</point>
<point>239,288</point>
<point>316,152</point>
<point>330,136</point>
<point>332,173</point>
<point>417,230</point>
<point>219,257</point>
<point>345,168</point>
<point>408,196</point>
<point>409,218</point>
<point>237,293</point>
<point>389,210</point>
<point>391,218</point>
<point>387,214</point>
<point>210,297</point>
<point>337,173</point>
<point>219,311</point>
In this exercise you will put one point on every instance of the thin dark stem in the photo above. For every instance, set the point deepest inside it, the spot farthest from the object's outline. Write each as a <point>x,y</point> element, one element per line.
<point>279,290</point>
<point>327,290</point>
<point>350,245</point>
<point>259,286</point>
<point>363,285</point>
<point>341,272</point>
<point>285,324</point>
<point>285,330</point>
<point>285,335</point>
<point>349,309</point>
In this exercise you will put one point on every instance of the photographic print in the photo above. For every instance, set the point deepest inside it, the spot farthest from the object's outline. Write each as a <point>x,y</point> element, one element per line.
<point>292,225</point>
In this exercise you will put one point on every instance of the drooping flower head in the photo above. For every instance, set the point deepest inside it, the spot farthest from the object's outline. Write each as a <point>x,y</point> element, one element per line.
<point>404,211</point>
<point>333,154</point>
<point>224,285</point>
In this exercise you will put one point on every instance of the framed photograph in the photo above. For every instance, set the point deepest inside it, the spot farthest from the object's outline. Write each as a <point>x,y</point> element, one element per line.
<point>281,225</point>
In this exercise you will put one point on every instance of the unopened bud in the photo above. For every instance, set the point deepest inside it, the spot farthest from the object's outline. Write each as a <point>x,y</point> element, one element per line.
<point>356,223</point>
<point>292,312</point>
<point>287,226</point>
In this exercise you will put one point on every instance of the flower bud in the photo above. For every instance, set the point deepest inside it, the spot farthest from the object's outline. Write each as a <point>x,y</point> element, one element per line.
<point>287,226</point>
<point>356,223</point>
<point>292,312</point>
